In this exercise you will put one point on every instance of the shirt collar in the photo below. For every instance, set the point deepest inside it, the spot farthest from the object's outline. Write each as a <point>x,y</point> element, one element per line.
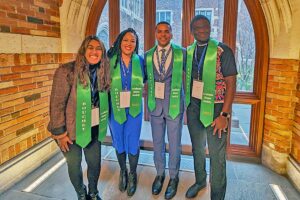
<point>201,45</point>
<point>91,67</point>
<point>166,47</point>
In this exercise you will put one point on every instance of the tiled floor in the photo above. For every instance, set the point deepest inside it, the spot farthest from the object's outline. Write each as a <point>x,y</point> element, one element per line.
<point>246,181</point>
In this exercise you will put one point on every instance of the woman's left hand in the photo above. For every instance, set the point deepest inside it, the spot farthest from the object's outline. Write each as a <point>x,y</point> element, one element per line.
<point>64,143</point>
<point>220,124</point>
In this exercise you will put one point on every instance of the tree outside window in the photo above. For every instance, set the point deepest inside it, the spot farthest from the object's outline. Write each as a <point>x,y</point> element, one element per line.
<point>245,50</point>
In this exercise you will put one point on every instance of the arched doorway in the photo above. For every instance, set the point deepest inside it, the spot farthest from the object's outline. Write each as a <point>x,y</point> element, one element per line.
<point>238,23</point>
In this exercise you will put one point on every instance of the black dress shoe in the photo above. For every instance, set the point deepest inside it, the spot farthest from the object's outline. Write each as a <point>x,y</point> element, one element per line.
<point>194,189</point>
<point>83,196</point>
<point>94,197</point>
<point>123,179</point>
<point>158,184</point>
<point>132,181</point>
<point>172,188</point>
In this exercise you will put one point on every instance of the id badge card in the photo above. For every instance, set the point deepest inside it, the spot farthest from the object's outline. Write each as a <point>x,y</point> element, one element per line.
<point>95,117</point>
<point>197,90</point>
<point>125,99</point>
<point>159,90</point>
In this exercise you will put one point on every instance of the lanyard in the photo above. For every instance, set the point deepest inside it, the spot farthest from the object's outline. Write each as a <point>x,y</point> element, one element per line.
<point>162,63</point>
<point>200,63</point>
<point>126,72</point>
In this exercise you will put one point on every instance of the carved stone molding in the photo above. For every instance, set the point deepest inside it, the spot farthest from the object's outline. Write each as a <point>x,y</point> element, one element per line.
<point>60,2</point>
<point>278,13</point>
<point>74,15</point>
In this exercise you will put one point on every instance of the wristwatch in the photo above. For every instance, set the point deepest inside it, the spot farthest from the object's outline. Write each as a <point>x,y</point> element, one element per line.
<point>225,114</point>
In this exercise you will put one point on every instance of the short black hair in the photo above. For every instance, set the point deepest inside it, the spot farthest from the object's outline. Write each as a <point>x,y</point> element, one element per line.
<point>163,22</point>
<point>196,18</point>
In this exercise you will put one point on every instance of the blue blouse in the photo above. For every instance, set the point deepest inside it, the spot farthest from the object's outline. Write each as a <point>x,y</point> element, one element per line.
<point>127,72</point>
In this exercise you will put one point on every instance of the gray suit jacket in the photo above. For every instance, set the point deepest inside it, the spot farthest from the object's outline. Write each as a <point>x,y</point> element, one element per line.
<point>162,105</point>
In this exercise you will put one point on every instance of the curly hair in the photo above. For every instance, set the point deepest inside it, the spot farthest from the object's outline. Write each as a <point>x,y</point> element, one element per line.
<point>115,49</point>
<point>82,65</point>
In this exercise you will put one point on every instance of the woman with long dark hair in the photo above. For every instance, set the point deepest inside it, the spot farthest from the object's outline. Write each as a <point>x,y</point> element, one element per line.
<point>79,113</point>
<point>125,121</point>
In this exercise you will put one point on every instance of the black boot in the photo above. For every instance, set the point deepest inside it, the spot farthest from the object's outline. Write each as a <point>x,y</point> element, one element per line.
<point>123,179</point>
<point>133,161</point>
<point>132,181</point>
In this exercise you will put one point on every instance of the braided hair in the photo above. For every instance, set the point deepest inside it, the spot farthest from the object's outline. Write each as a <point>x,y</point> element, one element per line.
<point>115,49</point>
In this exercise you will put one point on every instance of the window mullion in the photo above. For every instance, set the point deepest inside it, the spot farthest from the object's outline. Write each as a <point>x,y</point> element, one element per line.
<point>188,12</point>
<point>230,23</point>
<point>114,20</point>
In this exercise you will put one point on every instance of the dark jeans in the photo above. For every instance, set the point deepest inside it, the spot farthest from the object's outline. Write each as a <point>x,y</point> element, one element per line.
<point>216,147</point>
<point>92,153</point>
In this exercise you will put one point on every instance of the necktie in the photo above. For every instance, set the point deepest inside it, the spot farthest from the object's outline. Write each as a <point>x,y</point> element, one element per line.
<point>163,61</point>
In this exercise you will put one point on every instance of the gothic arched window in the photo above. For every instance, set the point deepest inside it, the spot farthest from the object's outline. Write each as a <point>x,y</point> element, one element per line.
<point>238,23</point>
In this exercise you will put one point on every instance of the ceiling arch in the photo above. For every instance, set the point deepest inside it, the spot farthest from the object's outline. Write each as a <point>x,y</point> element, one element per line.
<point>280,17</point>
<point>74,16</point>
<point>80,18</point>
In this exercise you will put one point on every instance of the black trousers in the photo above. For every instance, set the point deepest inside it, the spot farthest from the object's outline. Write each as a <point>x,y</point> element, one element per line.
<point>217,151</point>
<point>92,153</point>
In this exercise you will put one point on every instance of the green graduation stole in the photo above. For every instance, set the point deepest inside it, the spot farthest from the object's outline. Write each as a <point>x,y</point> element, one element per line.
<point>209,79</point>
<point>84,112</point>
<point>176,84</point>
<point>135,93</point>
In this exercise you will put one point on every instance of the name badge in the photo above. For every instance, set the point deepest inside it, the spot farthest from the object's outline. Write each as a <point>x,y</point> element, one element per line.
<point>95,117</point>
<point>125,99</point>
<point>159,90</point>
<point>197,90</point>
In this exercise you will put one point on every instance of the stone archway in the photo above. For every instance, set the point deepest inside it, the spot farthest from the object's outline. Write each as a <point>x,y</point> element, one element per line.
<point>281,34</point>
<point>75,20</point>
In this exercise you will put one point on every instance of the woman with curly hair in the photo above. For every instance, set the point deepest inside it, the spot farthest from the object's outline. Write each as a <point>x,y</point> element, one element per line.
<point>125,121</point>
<point>79,113</point>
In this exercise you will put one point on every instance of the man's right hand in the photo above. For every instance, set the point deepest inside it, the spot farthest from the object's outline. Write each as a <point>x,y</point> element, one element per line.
<point>64,142</point>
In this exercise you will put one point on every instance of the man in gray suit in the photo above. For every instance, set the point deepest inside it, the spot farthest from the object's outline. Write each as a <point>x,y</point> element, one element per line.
<point>165,65</point>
